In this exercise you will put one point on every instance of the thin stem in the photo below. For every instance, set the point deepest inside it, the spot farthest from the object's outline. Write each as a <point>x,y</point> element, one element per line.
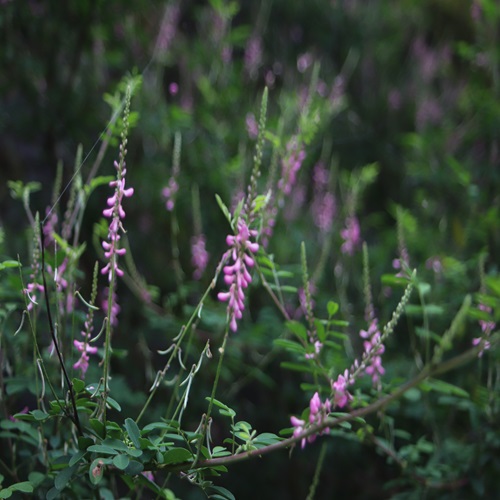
<point>428,371</point>
<point>212,397</point>
<point>74,417</point>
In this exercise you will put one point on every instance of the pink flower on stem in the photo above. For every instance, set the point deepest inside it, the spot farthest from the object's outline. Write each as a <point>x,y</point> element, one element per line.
<point>373,352</point>
<point>236,275</point>
<point>351,236</point>
<point>341,395</point>
<point>83,363</point>
<point>116,213</point>
<point>487,326</point>
<point>318,413</point>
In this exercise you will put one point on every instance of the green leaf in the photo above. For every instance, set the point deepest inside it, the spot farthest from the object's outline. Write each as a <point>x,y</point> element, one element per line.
<point>121,461</point>
<point>40,415</point>
<point>224,409</point>
<point>177,455</point>
<point>428,310</point>
<point>289,345</point>
<point>266,439</point>
<point>391,280</point>
<point>297,367</point>
<point>64,477</point>
<point>96,182</point>
<point>134,468</point>
<point>24,487</point>
<point>332,308</point>
<point>297,328</point>
<point>223,207</point>
<point>99,448</point>
<point>78,385</point>
<point>320,330</point>
<point>133,432</point>
<point>98,427</point>
<point>113,403</point>
<point>36,479</point>
<point>442,387</point>
<point>96,471</point>
<point>7,264</point>
<point>77,457</point>
<point>156,426</point>
<point>220,493</point>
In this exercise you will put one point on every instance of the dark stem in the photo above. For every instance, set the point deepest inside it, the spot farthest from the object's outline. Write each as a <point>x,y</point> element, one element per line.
<point>73,417</point>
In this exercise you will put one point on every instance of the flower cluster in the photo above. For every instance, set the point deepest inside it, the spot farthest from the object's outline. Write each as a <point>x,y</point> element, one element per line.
<point>373,352</point>
<point>351,236</point>
<point>116,213</point>
<point>236,275</point>
<point>318,413</point>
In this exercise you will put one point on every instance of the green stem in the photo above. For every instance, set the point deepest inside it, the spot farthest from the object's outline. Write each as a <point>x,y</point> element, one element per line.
<point>212,397</point>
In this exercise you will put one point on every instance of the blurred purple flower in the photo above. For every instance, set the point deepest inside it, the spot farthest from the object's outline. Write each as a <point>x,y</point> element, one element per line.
<point>351,236</point>
<point>253,55</point>
<point>199,255</point>
<point>252,126</point>
<point>291,163</point>
<point>169,193</point>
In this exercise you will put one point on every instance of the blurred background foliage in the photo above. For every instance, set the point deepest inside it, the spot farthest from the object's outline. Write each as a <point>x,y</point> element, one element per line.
<point>409,137</point>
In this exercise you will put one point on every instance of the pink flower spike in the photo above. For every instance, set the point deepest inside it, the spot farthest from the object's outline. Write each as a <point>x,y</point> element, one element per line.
<point>236,275</point>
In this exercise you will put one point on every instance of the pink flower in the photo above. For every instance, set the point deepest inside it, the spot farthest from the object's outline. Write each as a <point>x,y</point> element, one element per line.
<point>374,349</point>
<point>351,236</point>
<point>236,275</point>
<point>318,413</point>
<point>116,213</point>
<point>341,395</point>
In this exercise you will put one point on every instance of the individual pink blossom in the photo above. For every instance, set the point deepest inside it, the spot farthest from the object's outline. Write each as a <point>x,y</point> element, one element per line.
<point>299,429</point>
<point>291,163</point>
<point>351,236</point>
<point>236,275</point>
<point>199,255</point>
<point>341,396</point>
